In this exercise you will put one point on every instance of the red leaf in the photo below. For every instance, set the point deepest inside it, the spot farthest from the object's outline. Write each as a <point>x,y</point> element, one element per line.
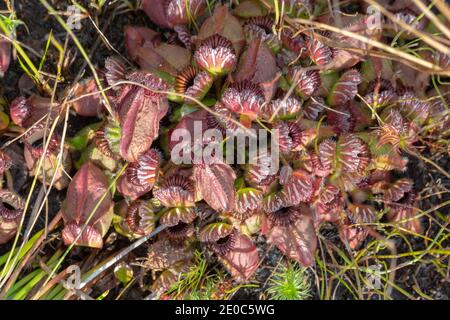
<point>261,171</point>
<point>183,12</point>
<point>380,93</point>
<point>289,135</point>
<point>297,241</point>
<point>243,260</point>
<point>224,23</point>
<point>236,251</point>
<point>25,112</point>
<point>178,215</point>
<point>156,10</point>
<point>138,218</point>
<point>82,235</point>
<point>342,118</point>
<point>137,37</point>
<point>188,123</point>
<point>128,189</point>
<point>140,176</point>
<point>272,203</point>
<point>213,232</point>
<point>5,56</point>
<point>145,48</point>
<point>85,192</point>
<point>140,111</point>
<point>193,83</point>
<point>91,105</point>
<point>257,64</point>
<point>285,174</point>
<point>396,130</point>
<point>5,162</point>
<point>414,108</point>
<point>313,108</point>
<point>216,184</point>
<point>314,165</point>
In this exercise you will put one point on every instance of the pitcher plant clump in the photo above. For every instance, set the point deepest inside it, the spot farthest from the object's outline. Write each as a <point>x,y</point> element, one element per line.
<point>346,123</point>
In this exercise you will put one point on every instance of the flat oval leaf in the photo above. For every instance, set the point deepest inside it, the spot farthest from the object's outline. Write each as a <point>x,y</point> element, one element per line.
<point>298,241</point>
<point>87,190</point>
<point>140,112</point>
<point>243,260</point>
<point>216,184</point>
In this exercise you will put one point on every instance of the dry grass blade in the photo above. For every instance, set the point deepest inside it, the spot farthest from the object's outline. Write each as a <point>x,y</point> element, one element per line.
<point>433,18</point>
<point>443,7</point>
<point>422,35</point>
